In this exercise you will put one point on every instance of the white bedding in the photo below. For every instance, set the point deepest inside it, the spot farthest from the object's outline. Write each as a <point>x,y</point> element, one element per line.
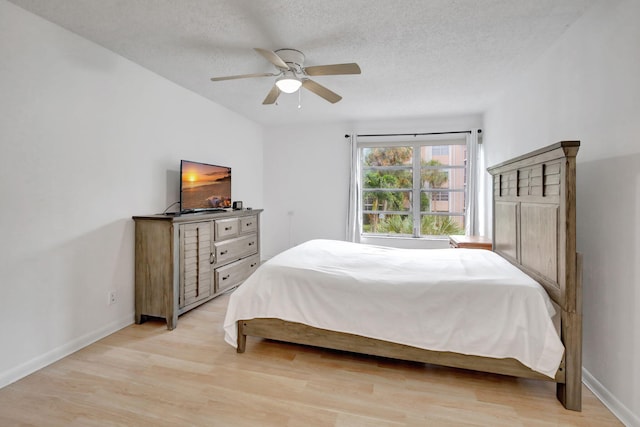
<point>468,301</point>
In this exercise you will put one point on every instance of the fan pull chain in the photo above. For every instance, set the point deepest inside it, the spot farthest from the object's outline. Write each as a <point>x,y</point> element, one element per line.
<point>299,98</point>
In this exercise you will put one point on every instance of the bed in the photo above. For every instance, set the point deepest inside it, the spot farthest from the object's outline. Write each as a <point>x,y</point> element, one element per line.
<point>485,311</point>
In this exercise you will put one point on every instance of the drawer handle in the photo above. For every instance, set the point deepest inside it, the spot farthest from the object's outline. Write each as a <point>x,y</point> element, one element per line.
<point>252,243</point>
<point>228,228</point>
<point>225,277</point>
<point>253,265</point>
<point>224,252</point>
<point>248,224</point>
<point>211,258</point>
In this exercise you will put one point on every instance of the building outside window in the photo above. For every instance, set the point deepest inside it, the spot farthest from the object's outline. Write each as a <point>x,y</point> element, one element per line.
<point>415,189</point>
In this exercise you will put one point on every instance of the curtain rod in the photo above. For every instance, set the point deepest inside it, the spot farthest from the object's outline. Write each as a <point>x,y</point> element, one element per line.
<point>415,134</point>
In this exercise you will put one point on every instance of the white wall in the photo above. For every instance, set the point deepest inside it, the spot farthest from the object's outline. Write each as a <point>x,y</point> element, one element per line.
<point>587,87</point>
<point>306,185</point>
<point>306,177</point>
<point>88,139</point>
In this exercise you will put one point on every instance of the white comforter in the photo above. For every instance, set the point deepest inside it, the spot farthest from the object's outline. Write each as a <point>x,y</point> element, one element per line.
<point>467,301</point>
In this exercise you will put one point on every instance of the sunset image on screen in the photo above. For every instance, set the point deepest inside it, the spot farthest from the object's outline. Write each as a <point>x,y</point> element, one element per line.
<point>205,186</point>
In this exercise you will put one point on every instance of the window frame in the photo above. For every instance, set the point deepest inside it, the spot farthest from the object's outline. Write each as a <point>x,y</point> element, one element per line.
<point>416,191</point>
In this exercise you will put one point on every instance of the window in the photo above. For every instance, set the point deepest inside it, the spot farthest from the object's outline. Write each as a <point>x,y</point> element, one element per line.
<point>440,150</point>
<point>416,189</point>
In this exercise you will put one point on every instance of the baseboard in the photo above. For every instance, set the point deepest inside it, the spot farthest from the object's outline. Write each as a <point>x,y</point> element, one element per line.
<point>623,413</point>
<point>58,353</point>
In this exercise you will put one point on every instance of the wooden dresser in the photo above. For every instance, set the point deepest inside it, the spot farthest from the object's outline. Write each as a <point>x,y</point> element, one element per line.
<point>472,242</point>
<point>186,260</point>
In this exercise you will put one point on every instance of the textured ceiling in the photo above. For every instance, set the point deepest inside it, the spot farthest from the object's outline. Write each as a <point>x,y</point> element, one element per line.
<point>418,57</point>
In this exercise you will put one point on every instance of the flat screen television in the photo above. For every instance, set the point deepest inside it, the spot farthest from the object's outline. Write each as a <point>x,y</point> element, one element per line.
<point>204,186</point>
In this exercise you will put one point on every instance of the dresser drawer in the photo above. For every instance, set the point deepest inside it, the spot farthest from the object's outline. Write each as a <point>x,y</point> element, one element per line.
<point>248,224</point>
<point>236,272</point>
<point>237,248</point>
<point>226,228</point>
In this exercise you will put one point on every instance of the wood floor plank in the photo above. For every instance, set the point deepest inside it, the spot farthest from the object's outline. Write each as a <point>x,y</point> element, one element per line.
<point>146,375</point>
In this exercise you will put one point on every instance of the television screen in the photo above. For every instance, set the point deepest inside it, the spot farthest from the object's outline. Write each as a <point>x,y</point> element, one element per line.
<point>204,186</point>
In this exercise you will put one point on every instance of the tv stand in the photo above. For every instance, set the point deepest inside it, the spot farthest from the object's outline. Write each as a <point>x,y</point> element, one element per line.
<point>183,261</point>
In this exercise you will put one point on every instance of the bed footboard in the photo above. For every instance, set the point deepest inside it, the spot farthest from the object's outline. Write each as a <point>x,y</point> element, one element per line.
<point>281,330</point>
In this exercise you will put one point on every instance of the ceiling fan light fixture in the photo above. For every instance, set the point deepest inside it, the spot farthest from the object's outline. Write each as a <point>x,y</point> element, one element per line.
<point>292,75</point>
<point>288,83</point>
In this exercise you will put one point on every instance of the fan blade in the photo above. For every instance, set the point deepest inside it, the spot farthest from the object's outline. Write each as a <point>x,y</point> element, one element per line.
<point>332,70</point>
<point>272,57</point>
<point>242,76</point>
<point>321,91</point>
<point>272,96</point>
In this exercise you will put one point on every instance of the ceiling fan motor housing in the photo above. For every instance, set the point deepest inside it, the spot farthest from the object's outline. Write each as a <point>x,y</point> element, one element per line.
<point>293,58</point>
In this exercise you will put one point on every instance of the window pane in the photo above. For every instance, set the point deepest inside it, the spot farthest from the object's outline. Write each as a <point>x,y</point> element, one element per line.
<point>441,225</point>
<point>443,185</point>
<point>387,156</point>
<point>439,150</point>
<point>440,177</point>
<point>442,201</point>
<point>386,200</point>
<point>434,177</point>
<point>453,155</point>
<point>375,223</point>
<point>388,178</point>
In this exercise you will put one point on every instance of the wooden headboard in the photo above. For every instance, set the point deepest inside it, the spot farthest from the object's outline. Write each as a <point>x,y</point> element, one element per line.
<point>534,227</point>
<point>534,217</point>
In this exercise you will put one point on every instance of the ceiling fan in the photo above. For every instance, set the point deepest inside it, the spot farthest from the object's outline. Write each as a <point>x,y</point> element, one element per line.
<point>292,74</point>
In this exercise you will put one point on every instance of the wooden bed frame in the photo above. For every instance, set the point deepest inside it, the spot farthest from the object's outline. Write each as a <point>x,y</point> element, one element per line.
<point>534,227</point>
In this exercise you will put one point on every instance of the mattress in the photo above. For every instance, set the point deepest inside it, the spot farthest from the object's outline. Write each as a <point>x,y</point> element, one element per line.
<point>467,301</point>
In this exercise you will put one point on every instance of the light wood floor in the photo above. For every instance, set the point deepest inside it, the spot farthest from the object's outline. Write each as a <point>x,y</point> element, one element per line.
<point>145,375</point>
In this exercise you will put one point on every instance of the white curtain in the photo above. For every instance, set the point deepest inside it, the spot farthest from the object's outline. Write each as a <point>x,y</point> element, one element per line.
<point>474,184</point>
<point>484,182</point>
<point>354,223</point>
